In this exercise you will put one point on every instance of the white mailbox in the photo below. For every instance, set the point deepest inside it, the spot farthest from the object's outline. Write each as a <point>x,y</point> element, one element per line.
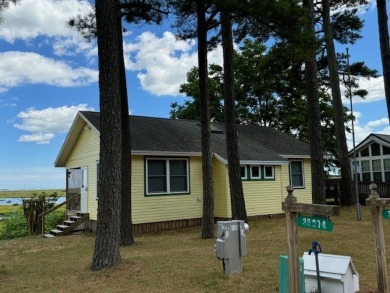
<point>337,272</point>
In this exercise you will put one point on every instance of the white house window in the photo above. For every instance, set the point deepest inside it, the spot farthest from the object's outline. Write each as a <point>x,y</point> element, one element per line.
<point>366,171</point>
<point>269,172</point>
<point>365,152</point>
<point>166,176</point>
<point>376,170</point>
<point>255,172</point>
<point>296,173</point>
<point>386,168</point>
<point>375,149</point>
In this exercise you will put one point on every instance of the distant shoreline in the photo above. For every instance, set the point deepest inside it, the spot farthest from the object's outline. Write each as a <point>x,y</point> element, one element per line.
<point>29,192</point>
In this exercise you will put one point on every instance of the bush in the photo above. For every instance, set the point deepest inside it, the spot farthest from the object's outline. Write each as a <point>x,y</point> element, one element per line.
<point>14,226</point>
<point>53,219</point>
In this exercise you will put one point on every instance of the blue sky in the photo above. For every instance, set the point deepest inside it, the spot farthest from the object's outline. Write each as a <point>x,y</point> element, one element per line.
<point>48,73</point>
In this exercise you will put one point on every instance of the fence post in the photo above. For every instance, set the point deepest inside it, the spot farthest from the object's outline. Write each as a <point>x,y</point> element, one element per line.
<point>376,213</point>
<point>292,241</point>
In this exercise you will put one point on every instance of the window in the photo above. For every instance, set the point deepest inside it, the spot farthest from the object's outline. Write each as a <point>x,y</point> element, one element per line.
<point>296,173</point>
<point>243,172</point>
<point>97,179</point>
<point>364,152</point>
<point>377,170</point>
<point>269,172</point>
<point>386,167</point>
<point>375,149</point>
<point>386,150</point>
<point>366,170</point>
<point>166,176</point>
<point>255,172</point>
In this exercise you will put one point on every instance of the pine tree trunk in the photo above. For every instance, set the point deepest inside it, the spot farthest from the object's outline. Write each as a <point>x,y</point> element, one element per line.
<point>235,183</point>
<point>207,171</point>
<point>315,133</point>
<point>346,192</point>
<point>126,228</point>
<point>385,48</point>
<point>106,252</point>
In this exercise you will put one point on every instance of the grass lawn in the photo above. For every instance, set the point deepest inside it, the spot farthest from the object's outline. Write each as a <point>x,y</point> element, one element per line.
<point>29,193</point>
<point>179,261</point>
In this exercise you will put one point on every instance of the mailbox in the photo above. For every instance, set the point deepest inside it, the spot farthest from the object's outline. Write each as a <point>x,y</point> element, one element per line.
<point>231,244</point>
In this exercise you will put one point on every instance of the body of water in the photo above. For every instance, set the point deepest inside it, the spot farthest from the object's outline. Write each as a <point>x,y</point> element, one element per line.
<point>15,200</point>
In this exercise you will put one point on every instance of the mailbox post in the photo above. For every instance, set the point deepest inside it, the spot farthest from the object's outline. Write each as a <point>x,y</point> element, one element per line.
<point>231,245</point>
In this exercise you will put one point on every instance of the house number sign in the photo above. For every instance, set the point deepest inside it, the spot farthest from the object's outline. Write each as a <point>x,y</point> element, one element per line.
<point>386,214</point>
<point>315,223</point>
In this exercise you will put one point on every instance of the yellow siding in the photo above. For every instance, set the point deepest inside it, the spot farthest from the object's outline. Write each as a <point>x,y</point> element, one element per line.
<point>304,194</point>
<point>221,190</point>
<point>85,154</point>
<point>147,209</point>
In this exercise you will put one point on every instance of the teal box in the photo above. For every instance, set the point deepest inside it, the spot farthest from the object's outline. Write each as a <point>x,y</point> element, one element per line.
<point>283,275</point>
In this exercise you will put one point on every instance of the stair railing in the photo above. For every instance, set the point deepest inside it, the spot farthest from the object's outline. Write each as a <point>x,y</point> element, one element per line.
<point>43,215</point>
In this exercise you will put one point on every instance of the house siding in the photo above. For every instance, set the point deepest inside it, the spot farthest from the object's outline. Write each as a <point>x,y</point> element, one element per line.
<point>303,194</point>
<point>221,190</point>
<point>85,154</point>
<point>160,208</point>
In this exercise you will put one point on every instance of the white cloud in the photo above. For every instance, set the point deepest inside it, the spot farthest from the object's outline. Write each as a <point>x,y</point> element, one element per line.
<point>18,68</point>
<point>374,87</point>
<point>44,124</point>
<point>163,62</point>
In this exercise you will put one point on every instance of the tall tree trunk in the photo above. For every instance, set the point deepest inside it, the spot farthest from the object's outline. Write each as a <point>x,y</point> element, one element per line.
<point>385,48</point>
<point>338,110</point>
<point>106,252</point>
<point>235,183</point>
<point>126,228</point>
<point>315,133</point>
<point>207,171</point>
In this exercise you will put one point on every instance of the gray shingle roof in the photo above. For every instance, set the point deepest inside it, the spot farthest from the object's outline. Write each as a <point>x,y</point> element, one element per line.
<point>256,143</point>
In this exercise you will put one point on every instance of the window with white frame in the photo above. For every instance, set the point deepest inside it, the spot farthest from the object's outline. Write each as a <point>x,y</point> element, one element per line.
<point>243,171</point>
<point>296,174</point>
<point>386,168</point>
<point>269,172</point>
<point>167,176</point>
<point>376,170</point>
<point>366,171</point>
<point>255,172</point>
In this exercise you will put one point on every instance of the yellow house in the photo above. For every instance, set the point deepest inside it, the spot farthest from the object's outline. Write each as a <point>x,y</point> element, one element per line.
<point>167,171</point>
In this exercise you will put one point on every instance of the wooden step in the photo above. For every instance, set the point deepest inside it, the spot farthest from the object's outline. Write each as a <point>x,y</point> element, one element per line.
<point>49,235</point>
<point>56,232</point>
<point>63,227</point>
<point>69,222</point>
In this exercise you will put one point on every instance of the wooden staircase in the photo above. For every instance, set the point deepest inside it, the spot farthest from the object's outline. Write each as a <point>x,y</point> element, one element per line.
<point>68,225</point>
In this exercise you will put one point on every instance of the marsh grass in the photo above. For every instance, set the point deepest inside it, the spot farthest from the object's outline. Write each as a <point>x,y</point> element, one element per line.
<point>29,193</point>
<point>179,261</point>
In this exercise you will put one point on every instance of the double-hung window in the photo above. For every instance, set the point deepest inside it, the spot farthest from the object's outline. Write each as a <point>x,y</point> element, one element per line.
<point>167,176</point>
<point>296,174</point>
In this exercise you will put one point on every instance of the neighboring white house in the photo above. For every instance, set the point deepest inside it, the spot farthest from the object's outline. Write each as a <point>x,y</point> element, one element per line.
<point>373,158</point>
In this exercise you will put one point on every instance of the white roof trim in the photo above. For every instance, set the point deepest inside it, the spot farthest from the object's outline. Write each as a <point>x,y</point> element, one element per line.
<point>249,162</point>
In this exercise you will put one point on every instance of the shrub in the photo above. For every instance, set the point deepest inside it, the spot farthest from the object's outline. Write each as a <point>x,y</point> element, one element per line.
<point>53,219</point>
<point>14,226</point>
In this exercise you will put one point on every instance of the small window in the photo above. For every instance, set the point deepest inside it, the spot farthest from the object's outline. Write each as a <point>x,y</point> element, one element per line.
<point>243,172</point>
<point>386,150</point>
<point>366,170</point>
<point>97,179</point>
<point>375,149</point>
<point>269,172</point>
<point>364,152</point>
<point>296,173</point>
<point>255,172</point>
<point>377,170</point>
<point>386,167</point>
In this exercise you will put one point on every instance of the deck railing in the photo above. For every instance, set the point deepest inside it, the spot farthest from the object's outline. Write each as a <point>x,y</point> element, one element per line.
<point>43,215</point>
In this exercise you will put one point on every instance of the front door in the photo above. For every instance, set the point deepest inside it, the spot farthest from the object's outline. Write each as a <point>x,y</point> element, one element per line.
<point>84,190</point>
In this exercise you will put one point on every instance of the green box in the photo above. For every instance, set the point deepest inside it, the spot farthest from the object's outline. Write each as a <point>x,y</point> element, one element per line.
<point>283,275</point>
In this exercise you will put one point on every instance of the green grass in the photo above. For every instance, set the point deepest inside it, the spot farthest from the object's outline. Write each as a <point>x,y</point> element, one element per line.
<point>29,193</point>
<point>179,261</point>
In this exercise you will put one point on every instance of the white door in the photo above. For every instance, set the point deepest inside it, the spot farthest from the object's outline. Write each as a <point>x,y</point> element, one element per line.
<point>84,190</point>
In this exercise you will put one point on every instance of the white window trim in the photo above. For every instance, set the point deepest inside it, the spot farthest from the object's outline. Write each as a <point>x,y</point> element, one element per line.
<point>255,177</point>
<point>273,172</point>
<point>245,170</point>
<point>167,176</point>
<point>303,173</point>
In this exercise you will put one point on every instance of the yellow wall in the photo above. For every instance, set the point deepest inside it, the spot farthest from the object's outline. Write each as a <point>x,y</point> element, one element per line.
<point>148,209</point>
<point>85,154</point>
<point>304,194</point>
<point>221,190</point>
